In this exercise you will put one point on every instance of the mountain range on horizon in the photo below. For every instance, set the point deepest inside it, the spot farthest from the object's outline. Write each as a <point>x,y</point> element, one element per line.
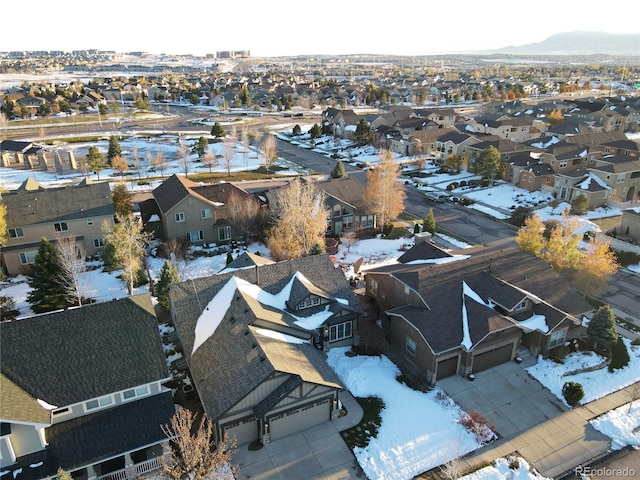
<point>578,43</point>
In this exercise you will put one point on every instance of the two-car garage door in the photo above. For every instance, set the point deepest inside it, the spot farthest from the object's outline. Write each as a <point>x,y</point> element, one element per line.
<point>298,419</point>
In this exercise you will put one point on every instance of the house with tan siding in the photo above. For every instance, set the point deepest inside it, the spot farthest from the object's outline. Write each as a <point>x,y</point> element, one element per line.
<point>34,212</point>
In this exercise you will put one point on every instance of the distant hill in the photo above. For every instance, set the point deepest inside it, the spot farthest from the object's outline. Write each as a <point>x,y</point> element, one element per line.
<point>579,43</point>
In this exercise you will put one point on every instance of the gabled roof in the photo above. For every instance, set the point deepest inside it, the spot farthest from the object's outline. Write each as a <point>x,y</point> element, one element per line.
<point>219,319</point>
<point>423,251</point>
<point>350,190</point>
<point>245,260</point>
<point>72,444</point>
<point>507,275</point>
<point>70,356</point>
<point>15,146</point>
<point>18,406</point>
<point>30,207</point>
<point>173,190</point>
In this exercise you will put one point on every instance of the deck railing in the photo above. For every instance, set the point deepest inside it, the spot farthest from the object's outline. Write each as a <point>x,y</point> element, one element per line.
<point>134,471</point>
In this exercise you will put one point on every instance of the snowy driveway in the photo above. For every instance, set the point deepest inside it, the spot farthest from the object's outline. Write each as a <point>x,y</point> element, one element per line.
<point>506,395</point>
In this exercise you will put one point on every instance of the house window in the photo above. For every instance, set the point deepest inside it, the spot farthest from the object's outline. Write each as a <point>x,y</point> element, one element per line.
<point>348,221</point>
<point>557,338</point>
<point>407,290</point>
<point>135,392</point>
<point>89,222</point>
<point>16,233</point>
<point>28,258</point>
<point>522,305</point>
<point>337,210</point>
<point>196,236</point>
<point>373,286</point>
<point>179,217</point>
<point>61,227</point>
<point>98,242</point>
<point>224,233</point>
<point>340,331</point>
<point>621,178</point>
<point>309,302</point>
<point>98,402</point>
<point>329,225</point>
<point>411,346</point>
<point>205,213</point>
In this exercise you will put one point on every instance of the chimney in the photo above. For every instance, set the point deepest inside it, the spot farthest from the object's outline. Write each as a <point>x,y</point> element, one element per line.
<point>257,276</point>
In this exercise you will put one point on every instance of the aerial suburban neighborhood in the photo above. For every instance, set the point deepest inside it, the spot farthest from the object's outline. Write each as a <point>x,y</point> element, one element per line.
<point>332,267</point>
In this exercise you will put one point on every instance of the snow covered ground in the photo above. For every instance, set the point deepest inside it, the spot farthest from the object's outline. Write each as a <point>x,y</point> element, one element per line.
<point>621,425</point>
<point>511,468</point>
<point>408,442</point>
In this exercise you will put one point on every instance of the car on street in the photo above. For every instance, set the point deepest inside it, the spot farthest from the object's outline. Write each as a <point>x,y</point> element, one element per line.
<point>438,197</point>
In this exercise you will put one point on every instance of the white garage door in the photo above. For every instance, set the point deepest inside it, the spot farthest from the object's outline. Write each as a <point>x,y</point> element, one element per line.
<point>244,431</point>
<point>300,419</point>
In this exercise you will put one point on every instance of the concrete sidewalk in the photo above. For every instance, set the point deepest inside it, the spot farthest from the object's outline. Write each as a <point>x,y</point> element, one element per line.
<point>557,446</point>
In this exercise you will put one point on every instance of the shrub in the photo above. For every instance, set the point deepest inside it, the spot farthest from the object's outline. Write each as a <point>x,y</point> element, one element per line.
<point>478,424</point>
<point>514,463</point>
<point>572,392</point>
<point>619,355</point>
<point>386,229</point>
<point>452,185</point>
<point>558,354</point>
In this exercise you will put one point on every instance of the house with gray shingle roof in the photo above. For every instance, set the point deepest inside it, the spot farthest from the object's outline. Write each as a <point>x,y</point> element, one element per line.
<point>33,212</point>
<point>465,313</point>
<point>254,340</point>
<point>349,211</point>
<point>82,389</point>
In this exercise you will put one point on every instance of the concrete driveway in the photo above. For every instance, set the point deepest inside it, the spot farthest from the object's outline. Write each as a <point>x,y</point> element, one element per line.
<point>318,453</point>
<point>506,395</point>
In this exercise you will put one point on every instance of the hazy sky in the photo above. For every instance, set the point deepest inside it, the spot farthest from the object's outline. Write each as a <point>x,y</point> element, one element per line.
<point>286,27</point>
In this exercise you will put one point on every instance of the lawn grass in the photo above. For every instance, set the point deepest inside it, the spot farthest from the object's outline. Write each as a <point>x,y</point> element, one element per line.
<point>359,435</point>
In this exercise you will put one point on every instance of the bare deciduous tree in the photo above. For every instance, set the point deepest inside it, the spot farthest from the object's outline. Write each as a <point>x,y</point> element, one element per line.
<point>120,164</point>
<point>192,452</point>
<point>158,162</point>
<point>136,161</point>
<point>129,241</point>
<point>299,218</point>
<point>72,263</point>
<point>348,239</point>
<point>244,135</point>
<point>228,154</point>
<point>184,157</point>
<point>270,151</point>
<point>243,213</point>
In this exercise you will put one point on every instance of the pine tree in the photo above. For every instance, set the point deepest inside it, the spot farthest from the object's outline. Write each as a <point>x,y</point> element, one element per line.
<point>218,130</point>
<point>602,326</point>
<point>168,276</point>
<point>530,237</point>
<point>114,148</point>
<point>48,290</point>
<point>95,160</point>
<point>487,165</point>
<point>229,258</point>
<point>429,222</point>
<point>338,171</point>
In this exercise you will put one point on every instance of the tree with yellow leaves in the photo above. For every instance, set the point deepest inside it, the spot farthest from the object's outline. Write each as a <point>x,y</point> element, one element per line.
<point>385,194</point>
<point>562,250</point>
<point>530,237</point>
<point>597,265</point>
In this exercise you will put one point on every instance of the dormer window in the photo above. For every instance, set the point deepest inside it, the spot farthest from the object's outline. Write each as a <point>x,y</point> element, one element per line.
<point>309,302</point>
<point>522,305</point>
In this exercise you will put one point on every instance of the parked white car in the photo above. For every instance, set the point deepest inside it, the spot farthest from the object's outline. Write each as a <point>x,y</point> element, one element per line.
<point>438,197</point>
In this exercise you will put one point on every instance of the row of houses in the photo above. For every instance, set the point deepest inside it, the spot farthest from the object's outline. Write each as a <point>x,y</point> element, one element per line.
<point>177,209</point>
<point>576,157</point>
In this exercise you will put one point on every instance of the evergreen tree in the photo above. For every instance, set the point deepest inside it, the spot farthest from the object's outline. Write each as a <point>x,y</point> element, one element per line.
<point>218,130</point>
<point>48,290</point>
<point>579,205</point>
<point>429,222</point>
<point>96,160</point>
<point>338,171</point>
<point>296,130</point>
<point>363,133</point>
<point>114,148</point>
<point>201,147</point>
<point>229,259</point>
<point>487,165</point>
<point>602,326</point>
<point>315,131</point>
